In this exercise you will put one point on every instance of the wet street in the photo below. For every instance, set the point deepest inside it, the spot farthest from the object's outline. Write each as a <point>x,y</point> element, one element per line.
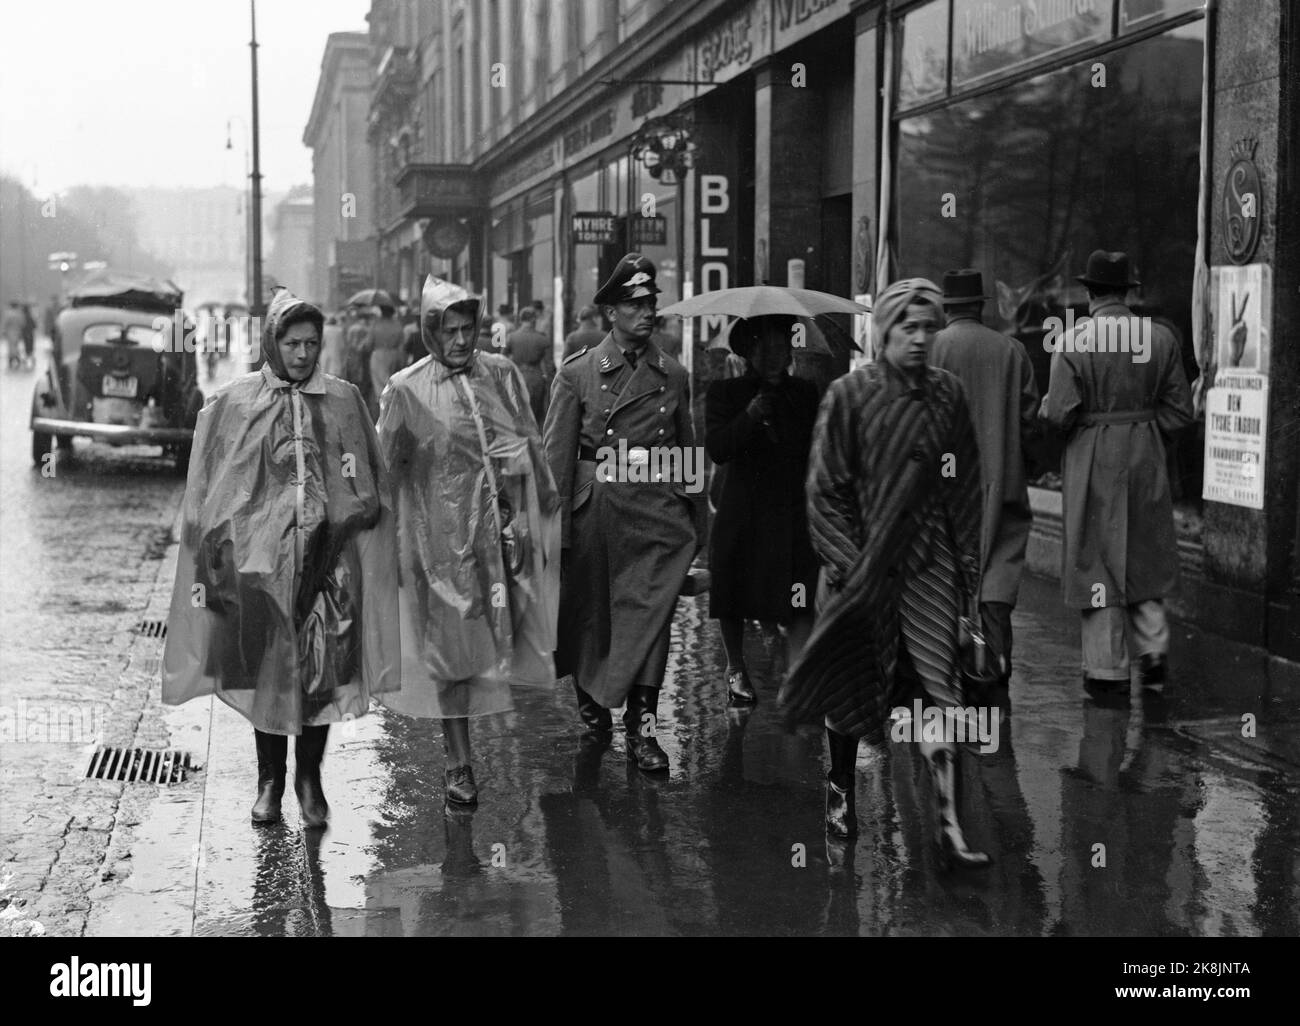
<point>1166,816</point>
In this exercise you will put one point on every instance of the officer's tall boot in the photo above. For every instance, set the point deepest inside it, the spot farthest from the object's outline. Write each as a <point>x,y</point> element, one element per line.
<point>950,841</point>
<point>308,753</point>
<point>272,751</point>
<point>641,721</point>
<point>593,714</point>
<point>841,798</point>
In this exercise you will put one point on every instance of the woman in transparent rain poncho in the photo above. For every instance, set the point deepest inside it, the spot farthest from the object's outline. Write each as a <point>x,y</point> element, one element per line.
<point>285,603</point>
<point>478,530</point>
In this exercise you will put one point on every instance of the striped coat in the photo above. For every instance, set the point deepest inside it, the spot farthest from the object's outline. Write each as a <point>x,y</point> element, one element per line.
<point>894,512</point>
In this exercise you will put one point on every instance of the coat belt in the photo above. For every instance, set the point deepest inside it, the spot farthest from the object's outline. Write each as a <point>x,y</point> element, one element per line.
<point>1119,417</point>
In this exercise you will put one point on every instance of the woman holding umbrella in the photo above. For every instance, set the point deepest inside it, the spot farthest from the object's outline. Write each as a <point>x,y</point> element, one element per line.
<point>478,530</point>
<point>759,426</point>
<point>285,603</point>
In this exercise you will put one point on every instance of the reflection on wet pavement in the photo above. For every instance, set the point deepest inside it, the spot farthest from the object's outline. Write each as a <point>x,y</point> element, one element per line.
<point>1111,821</point>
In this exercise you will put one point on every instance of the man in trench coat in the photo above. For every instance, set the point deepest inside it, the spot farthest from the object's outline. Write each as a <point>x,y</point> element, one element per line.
<point>617,411</point>
<point>999,382</point>
<point>1117,389</point>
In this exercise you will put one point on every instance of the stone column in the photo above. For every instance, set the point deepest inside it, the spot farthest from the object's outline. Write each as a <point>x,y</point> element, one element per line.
<point>1250,565</point>
<point>788,148</point>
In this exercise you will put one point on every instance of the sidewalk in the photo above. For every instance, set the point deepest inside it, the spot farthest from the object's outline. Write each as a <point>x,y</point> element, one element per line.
<point>1199,821</point>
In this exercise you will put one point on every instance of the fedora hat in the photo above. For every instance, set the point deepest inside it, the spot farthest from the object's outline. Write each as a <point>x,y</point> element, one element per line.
<point>1108,270</point>
<point>964,286</point>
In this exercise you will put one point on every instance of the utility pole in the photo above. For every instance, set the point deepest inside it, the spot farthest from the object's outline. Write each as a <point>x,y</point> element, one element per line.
<point>255,176</point>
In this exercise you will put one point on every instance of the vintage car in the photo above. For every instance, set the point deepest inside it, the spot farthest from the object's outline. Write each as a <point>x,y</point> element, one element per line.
<point>121,370</point>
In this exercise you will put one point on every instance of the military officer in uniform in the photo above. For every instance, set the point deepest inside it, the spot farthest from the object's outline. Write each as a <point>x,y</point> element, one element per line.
<point>628,538</point>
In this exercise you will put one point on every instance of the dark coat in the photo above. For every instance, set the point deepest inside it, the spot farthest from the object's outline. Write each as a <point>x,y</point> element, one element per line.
<point>759,549</point>
<point>1118,414</point>
<point>530,351</point>
<point>879,482</point>
<point>999,381</point>
<point>629,543</point>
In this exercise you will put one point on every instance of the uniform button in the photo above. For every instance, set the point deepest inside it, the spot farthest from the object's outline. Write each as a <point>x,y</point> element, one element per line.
<point>663,409</point>
<point>607,413</point>
<point>604,388</point>
<point>609,431</point>
<point>661,431</point>
<point>663,388</point>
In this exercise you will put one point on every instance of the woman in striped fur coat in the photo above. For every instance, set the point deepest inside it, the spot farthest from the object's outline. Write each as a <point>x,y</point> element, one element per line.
<point>894,512</point>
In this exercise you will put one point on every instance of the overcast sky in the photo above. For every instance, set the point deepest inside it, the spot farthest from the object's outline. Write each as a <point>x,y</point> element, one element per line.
<point>138,92</point>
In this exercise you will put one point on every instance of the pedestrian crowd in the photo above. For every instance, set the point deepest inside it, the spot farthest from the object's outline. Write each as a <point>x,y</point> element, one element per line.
<point>470,517</point>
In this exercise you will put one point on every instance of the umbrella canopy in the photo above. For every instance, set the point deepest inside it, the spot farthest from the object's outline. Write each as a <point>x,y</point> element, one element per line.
<point>761,300</point>
<point>372,297</point>
<point>823,336</point>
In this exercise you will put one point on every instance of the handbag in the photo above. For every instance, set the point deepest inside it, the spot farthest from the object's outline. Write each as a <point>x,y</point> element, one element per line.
<point>980,664</point>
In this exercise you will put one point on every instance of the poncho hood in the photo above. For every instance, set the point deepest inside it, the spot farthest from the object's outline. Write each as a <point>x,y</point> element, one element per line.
<point>436,299</point>
<point>283,302</point>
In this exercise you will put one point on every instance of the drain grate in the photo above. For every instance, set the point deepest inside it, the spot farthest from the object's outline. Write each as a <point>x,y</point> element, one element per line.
<point>152,628</point>
<point>139,765</point>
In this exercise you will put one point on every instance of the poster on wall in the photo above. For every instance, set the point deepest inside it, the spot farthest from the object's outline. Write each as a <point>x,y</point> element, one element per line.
<point>1236,425</point>
<point>1242,302</point>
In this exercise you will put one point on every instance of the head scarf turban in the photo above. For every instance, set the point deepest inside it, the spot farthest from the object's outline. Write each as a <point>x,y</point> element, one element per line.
<point>891,305</point>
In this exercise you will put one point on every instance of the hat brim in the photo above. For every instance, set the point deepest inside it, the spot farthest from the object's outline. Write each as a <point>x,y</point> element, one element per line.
<point>620,295</point>
<point>954,300</point>
<point>1085,280</point>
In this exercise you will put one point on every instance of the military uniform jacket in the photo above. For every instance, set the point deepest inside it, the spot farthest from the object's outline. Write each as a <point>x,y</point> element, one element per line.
<point>628,539</point>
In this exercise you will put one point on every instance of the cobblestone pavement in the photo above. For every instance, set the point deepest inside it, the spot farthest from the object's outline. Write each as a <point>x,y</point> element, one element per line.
<point>81,553</point>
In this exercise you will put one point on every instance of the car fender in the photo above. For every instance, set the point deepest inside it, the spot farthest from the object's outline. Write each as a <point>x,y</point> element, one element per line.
<point>48,384</point>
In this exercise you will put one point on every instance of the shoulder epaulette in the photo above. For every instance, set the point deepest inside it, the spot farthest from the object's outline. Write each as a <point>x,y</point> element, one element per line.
<point>580,352</point>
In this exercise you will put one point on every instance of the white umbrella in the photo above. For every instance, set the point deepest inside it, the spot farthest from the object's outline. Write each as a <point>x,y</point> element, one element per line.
<point>762,301</point>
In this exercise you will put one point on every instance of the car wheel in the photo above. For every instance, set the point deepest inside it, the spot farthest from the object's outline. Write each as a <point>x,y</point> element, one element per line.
<point>41,446</point>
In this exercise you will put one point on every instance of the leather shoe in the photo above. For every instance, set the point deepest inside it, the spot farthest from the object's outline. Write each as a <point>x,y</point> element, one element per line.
<point>461,788</point>
<point>740,689</point>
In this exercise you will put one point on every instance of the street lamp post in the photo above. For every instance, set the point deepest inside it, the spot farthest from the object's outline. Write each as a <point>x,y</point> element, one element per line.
<point>246,207</point>
<point>255,177</point>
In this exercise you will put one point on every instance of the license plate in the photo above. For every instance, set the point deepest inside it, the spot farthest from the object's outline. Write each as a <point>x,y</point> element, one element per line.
<point>122,388</point>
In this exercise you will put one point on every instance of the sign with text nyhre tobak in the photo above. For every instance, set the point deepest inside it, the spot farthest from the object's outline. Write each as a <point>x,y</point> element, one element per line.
<point>598,228</point>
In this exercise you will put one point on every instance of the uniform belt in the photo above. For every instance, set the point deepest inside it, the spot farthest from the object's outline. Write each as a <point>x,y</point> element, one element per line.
<point>1119,417</point>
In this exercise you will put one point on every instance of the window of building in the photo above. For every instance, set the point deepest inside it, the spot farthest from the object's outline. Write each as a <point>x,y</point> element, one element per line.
<point>1025,181</point>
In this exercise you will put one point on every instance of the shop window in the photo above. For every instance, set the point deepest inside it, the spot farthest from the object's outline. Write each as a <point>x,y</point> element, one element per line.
<point>1024,182</point>
<point>923,55</point>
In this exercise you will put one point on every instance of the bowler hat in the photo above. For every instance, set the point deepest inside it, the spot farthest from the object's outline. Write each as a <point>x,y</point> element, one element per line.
<point>964,286</point>
<point>1108,270</point>
<point>633,278</point>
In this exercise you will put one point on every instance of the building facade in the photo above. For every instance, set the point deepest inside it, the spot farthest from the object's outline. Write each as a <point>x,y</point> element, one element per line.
<point>846,143</point>
<point>343,248</point>
<point>289,259</point>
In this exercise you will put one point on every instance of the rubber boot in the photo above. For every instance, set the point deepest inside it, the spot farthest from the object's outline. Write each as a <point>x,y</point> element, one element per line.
<point>308,753</point>
<point>272,751</point>
<point>841,811</point>
<point>641,720</point>
<point>950,841</point>
<point>593,714</point>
